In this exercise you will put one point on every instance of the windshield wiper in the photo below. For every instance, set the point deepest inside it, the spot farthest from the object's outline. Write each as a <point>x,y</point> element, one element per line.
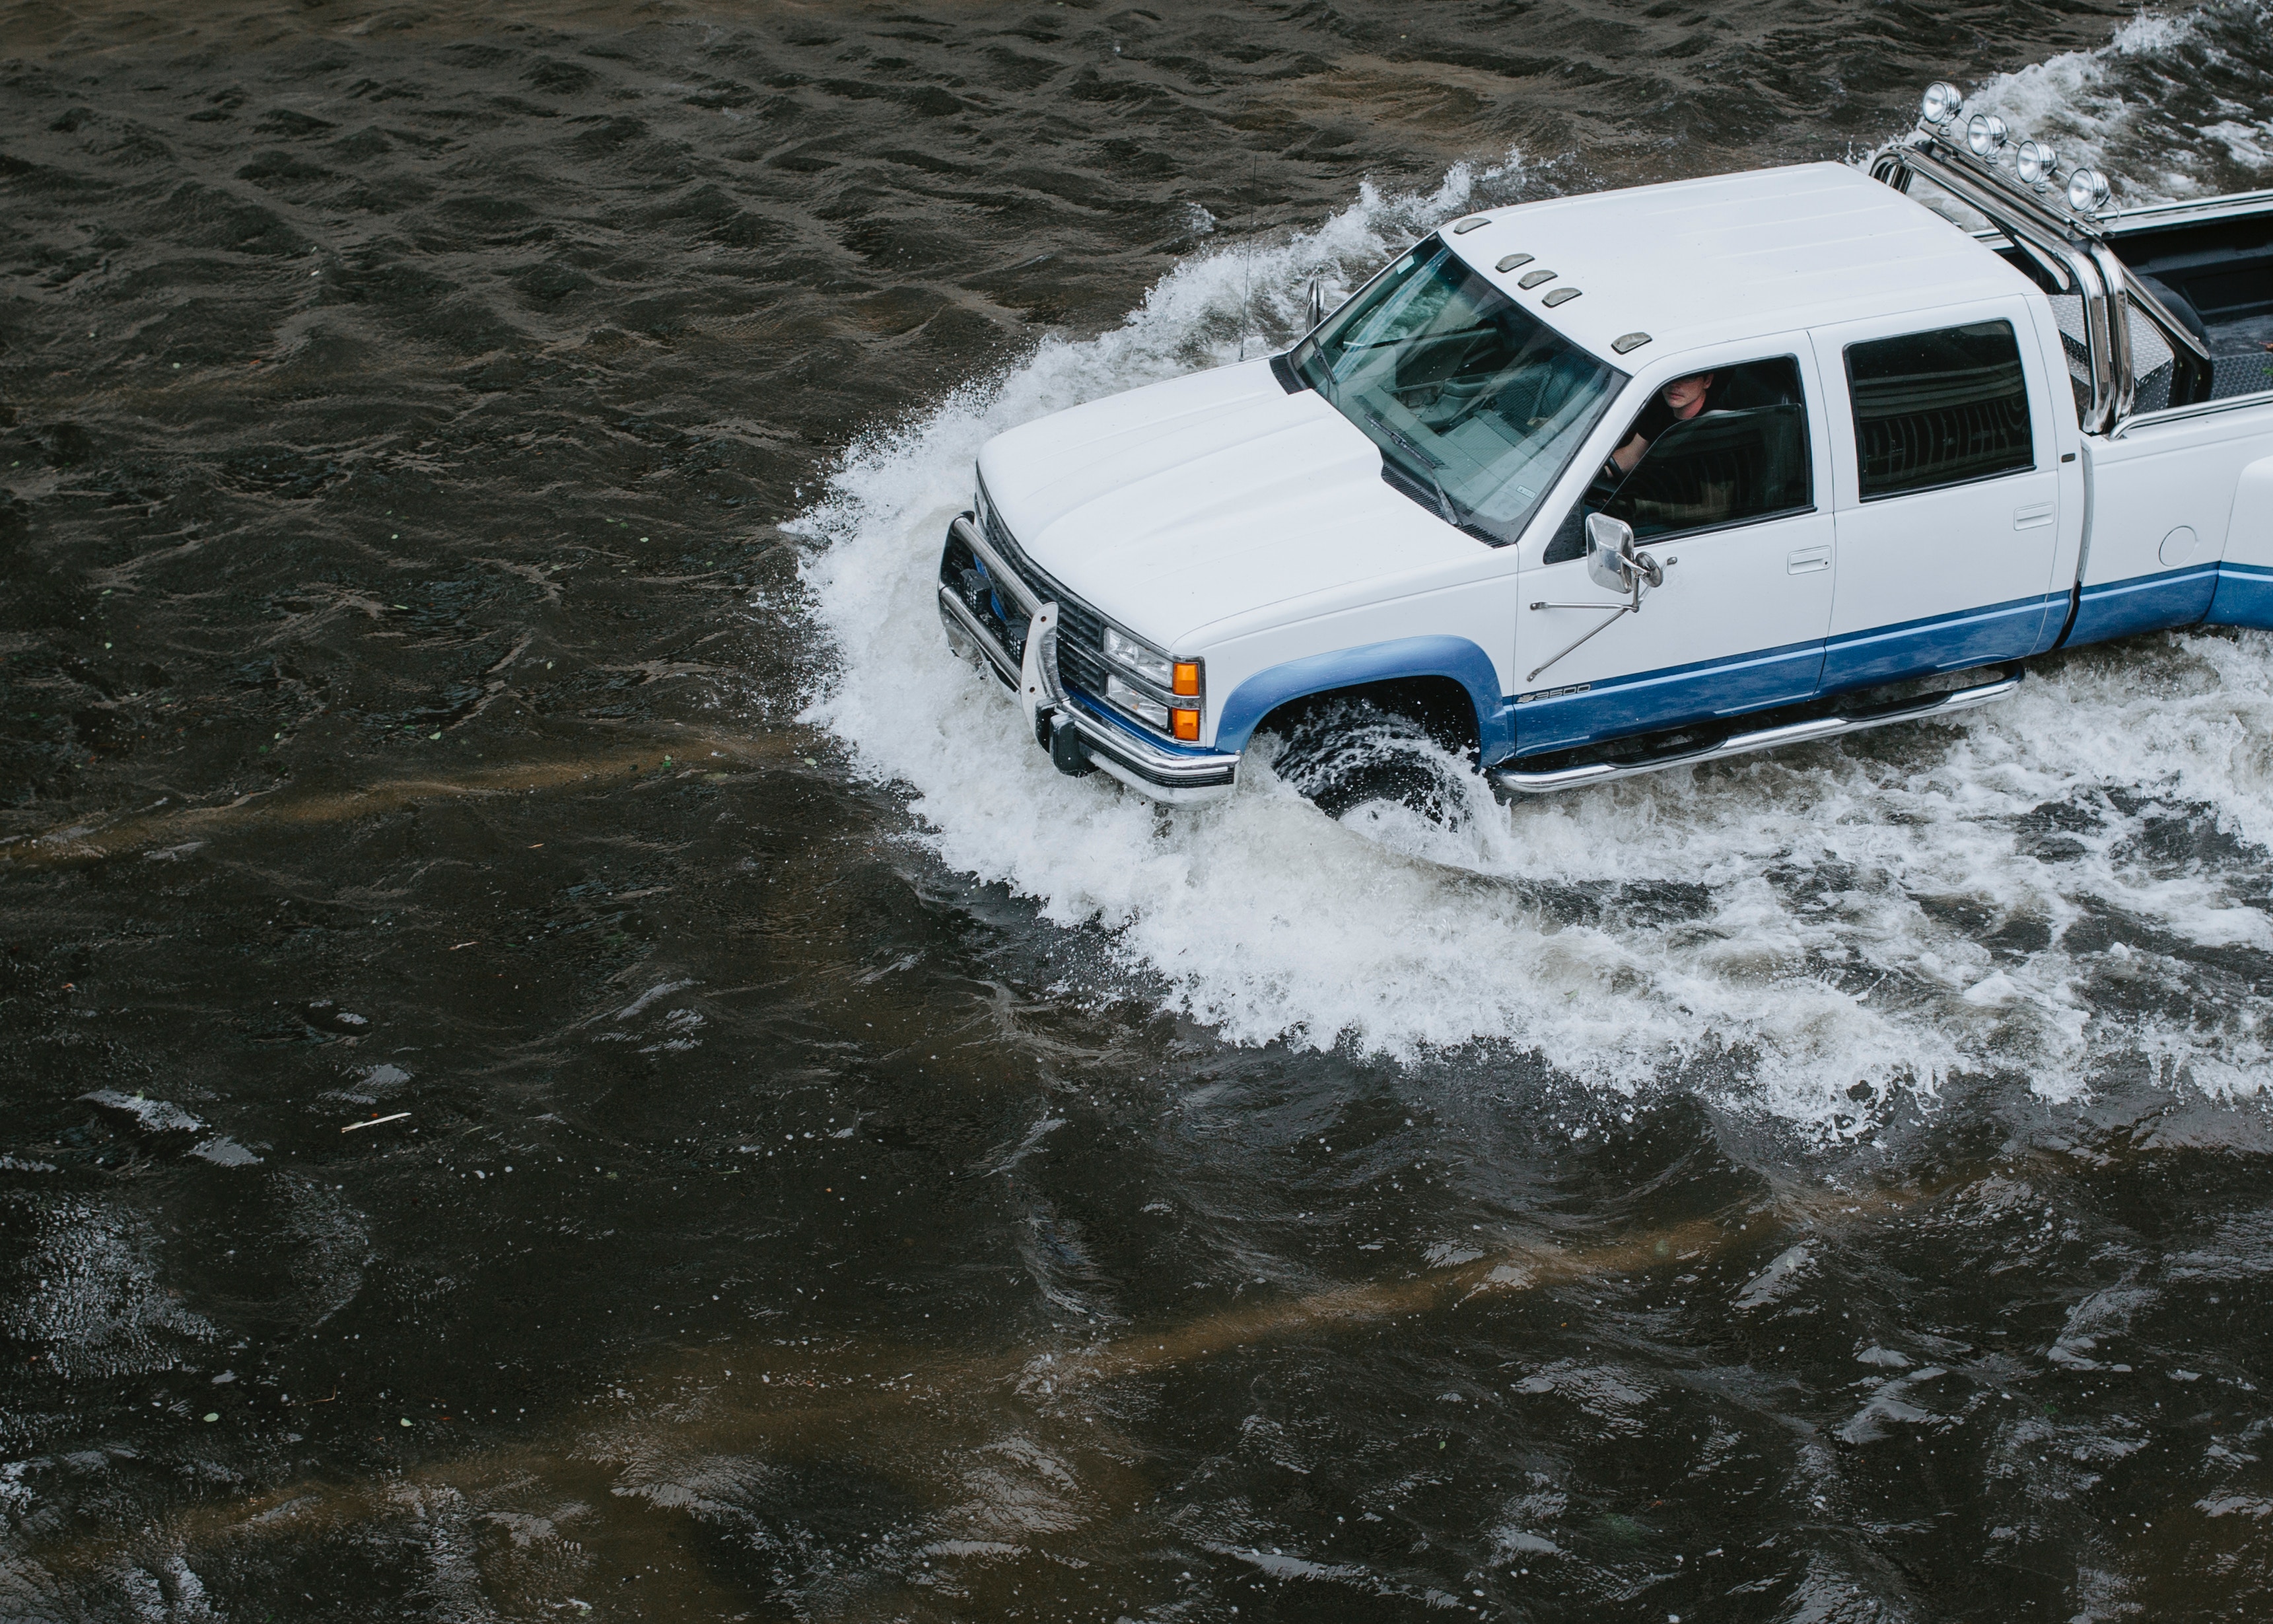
<point>1428,466</point>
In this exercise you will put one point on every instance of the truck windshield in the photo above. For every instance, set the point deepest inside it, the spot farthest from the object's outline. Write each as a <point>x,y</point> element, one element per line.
<point>1476,404</point>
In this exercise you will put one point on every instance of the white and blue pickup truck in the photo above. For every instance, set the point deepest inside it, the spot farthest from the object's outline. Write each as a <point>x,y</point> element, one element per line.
<point>1648,477</point>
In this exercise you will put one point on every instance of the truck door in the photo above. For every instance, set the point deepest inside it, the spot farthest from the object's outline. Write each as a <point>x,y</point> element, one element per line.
<point>1947,498</point>
<point>1731,501</point>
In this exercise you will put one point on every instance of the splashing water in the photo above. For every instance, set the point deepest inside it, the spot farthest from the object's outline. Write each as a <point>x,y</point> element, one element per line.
<point>2065,886</point>
<point>2172,107</point>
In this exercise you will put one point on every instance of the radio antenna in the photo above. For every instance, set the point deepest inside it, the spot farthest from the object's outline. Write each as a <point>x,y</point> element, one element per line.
<point>1247,284</point>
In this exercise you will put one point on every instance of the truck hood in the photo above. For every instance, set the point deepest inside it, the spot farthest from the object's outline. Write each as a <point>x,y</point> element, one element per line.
<point>1179,505</point>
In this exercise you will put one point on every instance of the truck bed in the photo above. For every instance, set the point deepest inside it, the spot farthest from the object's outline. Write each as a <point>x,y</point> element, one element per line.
<point>2220,266</point>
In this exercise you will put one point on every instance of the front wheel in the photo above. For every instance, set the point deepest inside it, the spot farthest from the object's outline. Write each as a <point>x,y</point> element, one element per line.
<point>1341,753</point>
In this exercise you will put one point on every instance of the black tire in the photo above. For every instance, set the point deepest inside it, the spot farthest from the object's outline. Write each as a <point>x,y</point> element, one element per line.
<point>1342,751</point>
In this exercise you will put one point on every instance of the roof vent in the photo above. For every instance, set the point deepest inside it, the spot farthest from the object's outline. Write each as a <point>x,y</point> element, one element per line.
<point>1513,261</point>
<point>1561,296</point>
<point>1531,278</point>
<point>1625,341</point>
<point>1470,224</point>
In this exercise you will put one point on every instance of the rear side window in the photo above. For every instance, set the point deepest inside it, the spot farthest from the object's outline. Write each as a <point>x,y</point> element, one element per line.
<point>1941,408</point>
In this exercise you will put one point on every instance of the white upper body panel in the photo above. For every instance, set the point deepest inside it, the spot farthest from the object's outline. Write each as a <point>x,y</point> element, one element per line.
<point>1696,262</point>
<point>1170,507</point>
<point>1218,515</point>
<point>1214,506</point>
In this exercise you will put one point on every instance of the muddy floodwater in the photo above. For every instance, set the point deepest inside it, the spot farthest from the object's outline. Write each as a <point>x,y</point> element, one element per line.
<point>559,1057</point>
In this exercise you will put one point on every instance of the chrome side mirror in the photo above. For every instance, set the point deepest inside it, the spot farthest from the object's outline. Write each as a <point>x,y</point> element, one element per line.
<point>1612,559</point>
<point>1317,301</point>
<point>1609,552</point>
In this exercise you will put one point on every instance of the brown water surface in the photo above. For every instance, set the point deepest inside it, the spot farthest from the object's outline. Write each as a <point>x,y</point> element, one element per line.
<point>404,672</point>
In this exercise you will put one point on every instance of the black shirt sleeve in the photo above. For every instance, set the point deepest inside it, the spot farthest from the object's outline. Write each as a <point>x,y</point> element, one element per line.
<point>1656,418</point>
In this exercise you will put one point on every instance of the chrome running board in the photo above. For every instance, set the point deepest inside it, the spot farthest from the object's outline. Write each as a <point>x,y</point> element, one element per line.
<point>1761,738</point>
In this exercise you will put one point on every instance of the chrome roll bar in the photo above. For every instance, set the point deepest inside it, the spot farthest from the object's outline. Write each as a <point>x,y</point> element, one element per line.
<point>2071,244</point>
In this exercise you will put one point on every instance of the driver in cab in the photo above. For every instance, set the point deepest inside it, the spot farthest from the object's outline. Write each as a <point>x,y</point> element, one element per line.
<point>1678,402</point>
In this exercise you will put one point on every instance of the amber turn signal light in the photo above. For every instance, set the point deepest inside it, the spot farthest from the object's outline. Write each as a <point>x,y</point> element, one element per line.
<point>1187,684</point>
<point>1188,725</point>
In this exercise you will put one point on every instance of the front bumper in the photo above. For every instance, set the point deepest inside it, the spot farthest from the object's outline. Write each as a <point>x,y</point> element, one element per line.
<point>1075,728</point>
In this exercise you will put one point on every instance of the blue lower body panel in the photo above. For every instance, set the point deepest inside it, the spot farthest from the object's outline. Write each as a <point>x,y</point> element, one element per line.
<point>2145,604</point>
<point>1616,706</point>
<point>1979,636</point>
<point>2244,597</point>
<point>2220,594</point>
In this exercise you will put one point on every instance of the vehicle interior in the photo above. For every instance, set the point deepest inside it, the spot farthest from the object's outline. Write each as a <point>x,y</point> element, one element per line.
<point>1938,407</point>
<point>1476,404</point>
<point>1724,468</point>
<point>1743,458</point>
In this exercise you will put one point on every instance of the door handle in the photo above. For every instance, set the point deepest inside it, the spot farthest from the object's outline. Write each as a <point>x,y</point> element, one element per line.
<point>1806,561</point>
<point>2034,517</point>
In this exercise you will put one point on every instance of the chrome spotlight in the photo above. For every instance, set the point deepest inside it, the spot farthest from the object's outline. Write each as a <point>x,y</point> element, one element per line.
<point>1941,104</point>
<point>2087,191</point>
<point>2035,163</point>
<point>1984,134</point>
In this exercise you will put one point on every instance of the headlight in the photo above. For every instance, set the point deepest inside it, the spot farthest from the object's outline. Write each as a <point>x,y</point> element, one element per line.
<point>1940,103</point>
<point>1172,691</point>
<point>2087,190</point>
<point>2035,163</point>
<point>1984,134</point>
<point>1130,655</point>
<point>1136,702</point>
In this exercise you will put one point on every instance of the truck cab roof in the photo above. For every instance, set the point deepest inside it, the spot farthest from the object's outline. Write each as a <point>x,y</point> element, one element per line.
<point>1696,262</point>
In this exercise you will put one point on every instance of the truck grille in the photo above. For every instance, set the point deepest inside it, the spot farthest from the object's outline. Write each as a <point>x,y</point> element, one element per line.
<point>1081,629</point>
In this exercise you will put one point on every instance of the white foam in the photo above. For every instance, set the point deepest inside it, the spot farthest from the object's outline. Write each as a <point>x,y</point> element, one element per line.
<point>1825,943</point>
<point>2249,146</point>
<point>2074,92</point>
<point>2105,107</point>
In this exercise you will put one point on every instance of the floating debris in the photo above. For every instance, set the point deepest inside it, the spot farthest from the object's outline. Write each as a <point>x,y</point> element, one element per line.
<point>375,1122</point>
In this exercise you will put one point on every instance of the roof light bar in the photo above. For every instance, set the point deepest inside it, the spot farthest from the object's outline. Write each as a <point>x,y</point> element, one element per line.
<point>1986,141</point>
<point>2087,191</point>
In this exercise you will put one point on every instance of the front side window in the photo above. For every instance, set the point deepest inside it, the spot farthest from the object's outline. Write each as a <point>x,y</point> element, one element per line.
<point>1738,454</point>
<point>1938,409</point>
<point>1476,404</point>
<point>1708,450</point>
